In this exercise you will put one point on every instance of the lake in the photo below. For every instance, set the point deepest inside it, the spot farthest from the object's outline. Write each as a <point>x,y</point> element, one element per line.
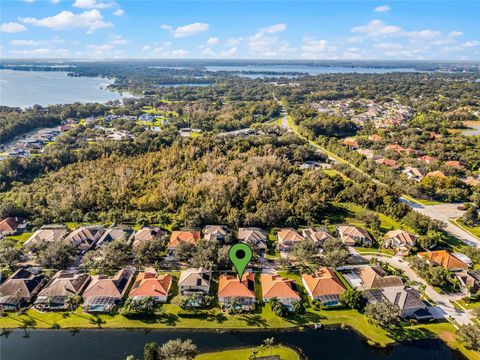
<point>311,70</point>
<point>117,344</point>
<point>27,88</point>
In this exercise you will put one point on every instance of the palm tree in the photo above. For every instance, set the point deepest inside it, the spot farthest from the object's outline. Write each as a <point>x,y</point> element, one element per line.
<point>72,302</point>
<point>269,343</point>
<point>232,305</point>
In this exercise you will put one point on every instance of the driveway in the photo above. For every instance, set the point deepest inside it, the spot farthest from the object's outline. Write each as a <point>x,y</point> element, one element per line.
<point>445,212</point>
<point>444,306</point>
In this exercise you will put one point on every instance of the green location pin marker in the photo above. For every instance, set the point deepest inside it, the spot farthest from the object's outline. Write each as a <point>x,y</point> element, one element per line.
<point>240,255</point>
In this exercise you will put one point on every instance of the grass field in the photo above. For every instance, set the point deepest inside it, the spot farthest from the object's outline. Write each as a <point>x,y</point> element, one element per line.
<point>284,352</point>
<point>475,231</point>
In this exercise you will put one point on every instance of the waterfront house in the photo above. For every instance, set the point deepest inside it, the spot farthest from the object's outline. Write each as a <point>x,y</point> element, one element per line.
<point>20,288</point>
<point>85,237</point>
<point>408,301</point>
<point>178,236</point>
<point>286,240</point>
<point>254,237</point>
<point>150,285</point>
<point>324,286</point>
<point>354,235</point>
<point>63,285</point>
<point>445,259</point>
<point>274,286</point>
<point>399,240</point>
<point>215,232</point>
<point>233,292</point>
<point>114,233</point>
<point>147,234</point>
<point>104,292</point>
<point>47,233</point>
<point>194,281</point>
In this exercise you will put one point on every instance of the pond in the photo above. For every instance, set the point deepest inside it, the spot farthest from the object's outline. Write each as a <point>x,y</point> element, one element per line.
<point>332,343</point>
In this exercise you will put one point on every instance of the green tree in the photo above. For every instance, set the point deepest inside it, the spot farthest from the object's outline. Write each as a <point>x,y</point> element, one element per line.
<point>10,254</point>
<point>184,251</point>
<point>383,314</point>
<point>54,255</point>
<point>269,343</point>
<point>305,250</point>
<point>471,217</point>
<point>352,298</point>
<point>72,302</point>
<point>470,335</point>
<point>151,351</point>
<point>178,350</point>
<point>298,307</point>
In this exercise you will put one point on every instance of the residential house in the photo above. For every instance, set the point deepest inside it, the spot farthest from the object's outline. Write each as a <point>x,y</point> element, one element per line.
<point>215,232</point>
<point>429,160</point>
<point>85,237</point>
<point>445,259</point>
<point>20,288</point>
<point>371,277</point>
<point>63,285</point>
<point>232,291</point>
<point>369,154</point>
<point>399,240</point>
<point>437,174</point>
<point>114,233</point>
<point>150,285</point>
<point>178,236</point>
<point>47,233</point>
<point>351,143</point>
<point>469,281</point>
<point>408,301</point>
<point>104,292</point>
<point>254,237</point>
<point>414,173</point>
<point>353,235</point>
<point>194,281</point>
<point>395,148</point>
<point>388,162</point>
<point>324,286</point>
<point>375,138</point>
<point>147,234</point>
<point>316,235</point>
<point>455,164</point>
<point>274,286</point>
<point>287,238</point>
<point>10,225</point>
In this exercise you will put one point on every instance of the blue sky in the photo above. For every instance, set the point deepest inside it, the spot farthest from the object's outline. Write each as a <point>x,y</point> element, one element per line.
<point>436,30</point>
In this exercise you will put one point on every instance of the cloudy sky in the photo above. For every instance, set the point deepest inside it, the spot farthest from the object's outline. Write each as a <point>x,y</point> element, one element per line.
<point>437,30</point>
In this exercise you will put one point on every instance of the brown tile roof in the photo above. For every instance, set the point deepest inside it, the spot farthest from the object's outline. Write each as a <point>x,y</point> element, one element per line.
<point>114,286</point>
<point>149,284</point>
<point>375,137</point>
<point>230,286</point>
<point>274,286</point>
<point>65,283</point>
<point>374,277</point>
<point>9,224</point>
<point>253,236</point>
<point>148,234</point>
<point>402,236</point>
<point>22,283</point>
<point>427,159</point>
<point>348,233</point>
<point>388,162</point>
<point>194,277</point>
<point>395,147</point>
<point>289,234</point>
<point>443,258</point>
<point>323,282</point>
<point>437,174</point>
<point>455,164</point>
<point>187,236</point>
<point>316,234</point>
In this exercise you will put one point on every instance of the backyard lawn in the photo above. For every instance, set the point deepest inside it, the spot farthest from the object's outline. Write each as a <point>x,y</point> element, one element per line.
<point>284,352</point>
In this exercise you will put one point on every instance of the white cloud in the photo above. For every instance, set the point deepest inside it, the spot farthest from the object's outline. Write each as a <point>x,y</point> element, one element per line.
<point>29,1</point>
<point>383,8</point>
<point>233,41</point>
<point>55,2</point>
<point>100,48</point>
<point>208,52</point>
<point>25,42</point>
<point>186,30</point>
<point>42,52</point>
<point>93,4</point>
<point>387,46</point>
<point>179,53</point>
<point>316,49</point>
<point>355,39</point>
<point>423,35</point>
<point>455,33</point>
<point>146,48</point>
<point>119,12</point>
<point>377,28</point>
<point>12,27</point>
<point>273,29</point>
<point>229,52</point>
<point>90,20</point>
<point>472,43</point>
<point>213,41</point>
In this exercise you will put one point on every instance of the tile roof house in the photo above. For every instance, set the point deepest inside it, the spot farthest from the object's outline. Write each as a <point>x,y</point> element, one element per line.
<point>445,259</point>
<point>400,240</point>
<point>371,277</point>
<point>254,237</point>
<point>114,233</point>
<point>351,143</point>
<point>274,286</point>
<point>85,237</point>
<point>215,232</point>
<point>408,301</point>
<point>455,164</point>
<point>414,173</point>
<point>20,288</point>
<point>148,233</point>
<point>149,284</point>
<point>230,287</point>
<point>427,159</point>
<point>396,148</point>
<point>47,233</point>
<point>10,225</point>
<point>469,281</point>
<point>61,286</point>
<point>287,238</point>
<point>324,286</point>
<point>388,162</point>
<point>104,292</point>
<point>353,235</point>
<point>317,235</point>
<point>437,174</point>
<point>194,281</point>
<point>188,236</point>
<point>375,137</point>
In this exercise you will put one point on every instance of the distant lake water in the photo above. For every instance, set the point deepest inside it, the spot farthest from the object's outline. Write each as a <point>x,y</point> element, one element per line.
<point>27,88</point>
<point>117,344</point>
<point>311,70</point>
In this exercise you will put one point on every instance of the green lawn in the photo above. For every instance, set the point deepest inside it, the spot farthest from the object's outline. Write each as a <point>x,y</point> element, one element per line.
<point>422,201</point>
<point>475,231</point>
<point>284,352</point>
<point>469,305</point>
<point>20,239</point>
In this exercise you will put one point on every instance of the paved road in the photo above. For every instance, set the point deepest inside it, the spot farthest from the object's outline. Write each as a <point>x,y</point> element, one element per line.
<point>444,307</point>
<point>445,212</point>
